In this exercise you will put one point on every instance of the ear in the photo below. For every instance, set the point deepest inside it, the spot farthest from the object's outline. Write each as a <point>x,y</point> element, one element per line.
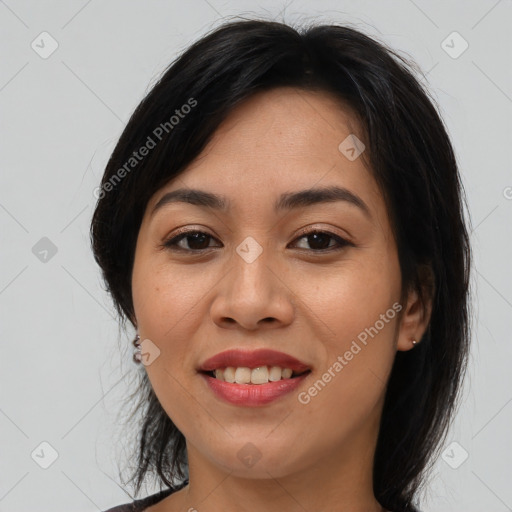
<point>417,312</point>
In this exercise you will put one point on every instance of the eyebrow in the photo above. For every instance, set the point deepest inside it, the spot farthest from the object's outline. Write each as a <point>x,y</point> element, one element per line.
<point>287,201</point>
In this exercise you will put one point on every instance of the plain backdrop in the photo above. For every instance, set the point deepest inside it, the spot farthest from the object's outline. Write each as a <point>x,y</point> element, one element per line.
<point>71,74</point>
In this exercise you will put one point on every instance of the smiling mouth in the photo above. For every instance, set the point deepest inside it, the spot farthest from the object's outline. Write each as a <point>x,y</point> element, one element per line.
<point>259,375</point>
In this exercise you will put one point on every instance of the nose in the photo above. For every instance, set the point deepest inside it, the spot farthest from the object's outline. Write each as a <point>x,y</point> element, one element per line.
<point>253,296</point>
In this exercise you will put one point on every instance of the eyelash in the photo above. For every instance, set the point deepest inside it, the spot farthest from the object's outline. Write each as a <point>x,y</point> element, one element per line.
<point>171,243</point>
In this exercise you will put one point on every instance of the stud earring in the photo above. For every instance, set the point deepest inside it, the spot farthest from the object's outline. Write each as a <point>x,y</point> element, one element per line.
<point>137,353</point>
<point>414,342</point>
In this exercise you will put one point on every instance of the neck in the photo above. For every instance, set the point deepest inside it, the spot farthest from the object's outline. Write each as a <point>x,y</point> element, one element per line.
<point>338,480</point>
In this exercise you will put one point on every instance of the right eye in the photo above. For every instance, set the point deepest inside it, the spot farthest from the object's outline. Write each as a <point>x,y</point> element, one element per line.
<point>191,241</point>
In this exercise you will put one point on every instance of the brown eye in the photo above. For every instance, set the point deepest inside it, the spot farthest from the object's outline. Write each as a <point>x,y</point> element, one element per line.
<point>323,241</point>
<point>190,241</point>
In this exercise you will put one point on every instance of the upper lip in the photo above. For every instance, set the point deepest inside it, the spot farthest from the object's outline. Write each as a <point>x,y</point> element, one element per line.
<point>252,359</point>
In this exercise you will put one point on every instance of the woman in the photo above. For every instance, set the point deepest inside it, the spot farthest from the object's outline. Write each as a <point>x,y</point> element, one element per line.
<point>282,222</point>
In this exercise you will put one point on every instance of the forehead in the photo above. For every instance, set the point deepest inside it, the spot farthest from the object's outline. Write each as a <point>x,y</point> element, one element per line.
<point>286,121</point>
<point>276,141</point>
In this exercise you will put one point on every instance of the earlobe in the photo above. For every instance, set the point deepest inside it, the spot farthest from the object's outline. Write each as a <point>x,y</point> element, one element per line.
<point>414,321</point>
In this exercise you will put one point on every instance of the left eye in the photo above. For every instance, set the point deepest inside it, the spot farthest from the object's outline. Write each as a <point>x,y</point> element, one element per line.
<point>321,241</point>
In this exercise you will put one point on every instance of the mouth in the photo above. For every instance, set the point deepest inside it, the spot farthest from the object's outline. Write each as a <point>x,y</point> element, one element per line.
<point>259,375</point>
<point>253,379</point>
<point>260,366</point>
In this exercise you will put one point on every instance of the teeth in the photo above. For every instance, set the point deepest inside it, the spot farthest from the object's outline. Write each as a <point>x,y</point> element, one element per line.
<point>287,373</point>
<point>243,375</point>
<point>260,375</point>
<point>275,373</point>
<point>229,374</point>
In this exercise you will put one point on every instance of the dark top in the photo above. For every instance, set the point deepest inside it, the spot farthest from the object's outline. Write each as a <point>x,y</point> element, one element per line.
<point>142,504</point>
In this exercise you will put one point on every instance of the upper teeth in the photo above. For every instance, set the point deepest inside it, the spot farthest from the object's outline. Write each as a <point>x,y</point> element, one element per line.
<point>260,375</point>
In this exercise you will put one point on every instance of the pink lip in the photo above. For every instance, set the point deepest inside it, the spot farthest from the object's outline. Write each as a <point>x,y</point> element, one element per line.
<point>252,395</point>
<point>252,359</point>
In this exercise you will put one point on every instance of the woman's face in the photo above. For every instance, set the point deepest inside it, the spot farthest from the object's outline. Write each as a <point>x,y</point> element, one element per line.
<point>252,276</point>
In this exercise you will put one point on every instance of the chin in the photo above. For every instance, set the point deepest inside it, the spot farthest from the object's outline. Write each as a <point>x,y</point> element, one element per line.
<point>257,459</point>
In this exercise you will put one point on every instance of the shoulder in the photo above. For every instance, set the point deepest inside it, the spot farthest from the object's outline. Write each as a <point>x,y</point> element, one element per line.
<point>141,504</point>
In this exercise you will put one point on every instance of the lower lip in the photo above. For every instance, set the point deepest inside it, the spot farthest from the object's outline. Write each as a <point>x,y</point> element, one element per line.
<point>252,395</point>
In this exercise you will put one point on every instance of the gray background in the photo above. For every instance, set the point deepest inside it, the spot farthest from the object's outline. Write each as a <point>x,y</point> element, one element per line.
<point>63,358</point>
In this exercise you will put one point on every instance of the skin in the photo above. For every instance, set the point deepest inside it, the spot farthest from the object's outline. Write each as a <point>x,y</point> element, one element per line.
<point>292,298</point>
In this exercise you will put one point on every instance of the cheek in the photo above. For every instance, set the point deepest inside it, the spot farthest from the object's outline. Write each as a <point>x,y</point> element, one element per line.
<point>165,297</point>
<point>355,322</point>
<point>167,305</point>
<point>350,297</point>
